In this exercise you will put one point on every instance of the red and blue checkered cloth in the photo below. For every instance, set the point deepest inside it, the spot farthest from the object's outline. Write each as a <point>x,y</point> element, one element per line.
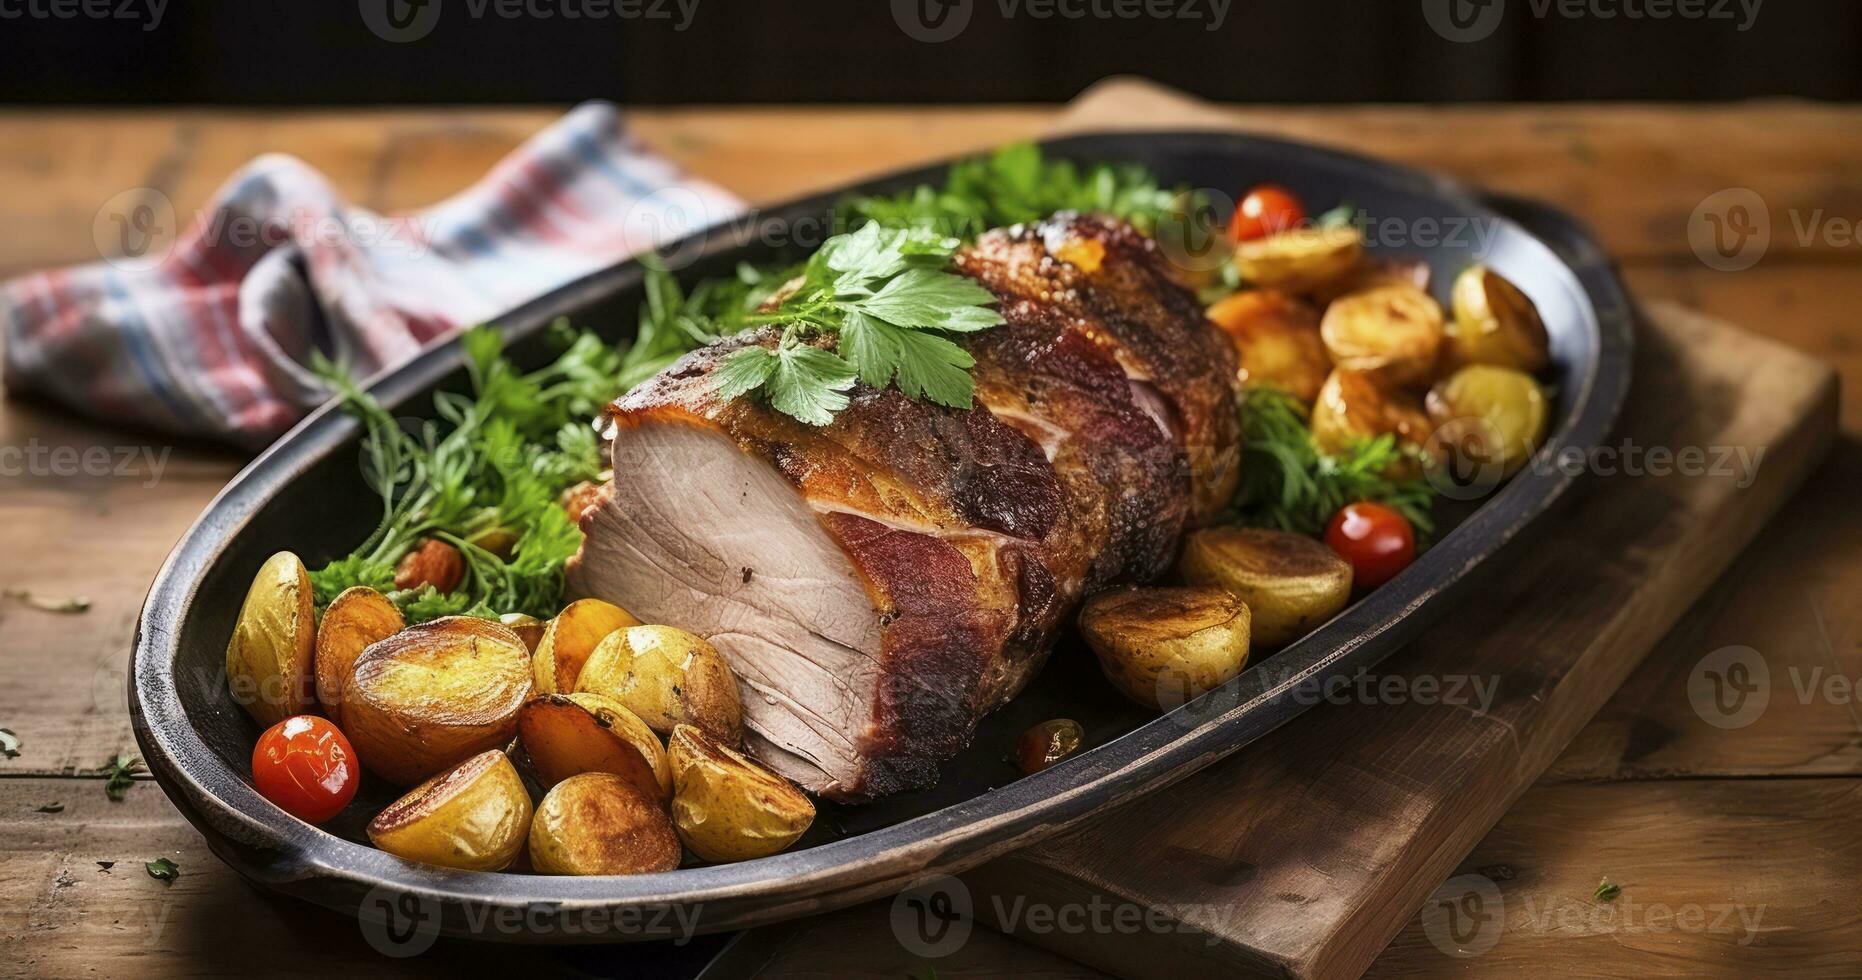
<point>210,336</point>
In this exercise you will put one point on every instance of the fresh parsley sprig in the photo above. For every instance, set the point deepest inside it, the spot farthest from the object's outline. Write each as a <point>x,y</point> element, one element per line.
<point>885,300</point>
<point>1288,482</point>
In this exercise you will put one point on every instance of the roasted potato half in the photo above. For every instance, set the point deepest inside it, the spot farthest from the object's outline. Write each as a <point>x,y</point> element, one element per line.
<point>569,734</point>
<point>728,808</point>
<point>1277,338</point>
<point>1300,260</point>
<point>1164,647</point>
<point>1353,408</point>
<point>1290,582</point>
<point>569,639</point>
<point>669,678</point>
<point>431,695</point>
<point>474,816</point>
<point>528,628</point>
<point>1492,416</point>
<point>269,658</point>
<point>1392,334</point>
<point>1495,323</point>
<point>598,823</point>
<point>355,620</point>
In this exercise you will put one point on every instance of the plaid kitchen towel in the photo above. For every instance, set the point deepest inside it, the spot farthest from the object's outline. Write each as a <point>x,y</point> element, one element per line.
<point>204,328</point>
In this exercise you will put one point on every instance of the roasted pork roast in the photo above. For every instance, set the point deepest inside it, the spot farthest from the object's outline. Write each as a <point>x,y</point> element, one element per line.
<point>882,582</point>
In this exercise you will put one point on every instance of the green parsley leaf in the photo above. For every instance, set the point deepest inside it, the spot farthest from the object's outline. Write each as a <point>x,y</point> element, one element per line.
<point>934,368</point>
<point>53,807</point>
<point>1287,482</point>
<point>9,743</point>
<point>743,371</point>
<point>163,870</point>
<point>927,299</point>
<point>119,772</point>
<point>1606,891</point>
<point>809,383</point>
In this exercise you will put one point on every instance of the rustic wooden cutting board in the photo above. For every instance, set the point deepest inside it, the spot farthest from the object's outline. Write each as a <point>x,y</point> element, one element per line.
<point>1305,853</point>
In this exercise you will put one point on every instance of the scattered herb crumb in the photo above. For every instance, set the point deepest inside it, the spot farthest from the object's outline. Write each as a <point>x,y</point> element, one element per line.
<point>120,771</point>
<point>53,807</point>
<point>163,870</point>
<point>9,743</point>
<point>1606,891</point>
<point>105,866</point>
<point>74,604</point>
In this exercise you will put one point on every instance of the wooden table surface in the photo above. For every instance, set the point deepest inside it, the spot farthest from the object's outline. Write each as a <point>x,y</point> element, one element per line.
<point>1717,836</point>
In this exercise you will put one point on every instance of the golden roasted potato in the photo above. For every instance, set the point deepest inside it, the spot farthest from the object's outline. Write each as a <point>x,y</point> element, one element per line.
<point>598,823</point>
<point>727,807</point>
<point>1495,323</point>
<point>1507,409</point>
<point>1374,274</point>
<point>1164,647</point>
<point>569,734</point>
<point>668,677</point>
<point>423,699</point>
<point>474,817</point>
<point>357,618</point>
<point>528,628</point>
<point>1300,260</point>
<point>1277,338</point>
<point>570,638</point>
<point>1391,333</point>
<point>1353,408</point>
<point>1290,582</point>
<point>269,658</point>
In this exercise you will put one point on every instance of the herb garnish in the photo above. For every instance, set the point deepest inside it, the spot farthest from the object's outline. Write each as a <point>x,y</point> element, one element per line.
<point>119,772</point>
<point>1288,482</point>
<point>886,297</point>
<point>9,743</point>
<point>163,870</point>
<point>1606,891</point>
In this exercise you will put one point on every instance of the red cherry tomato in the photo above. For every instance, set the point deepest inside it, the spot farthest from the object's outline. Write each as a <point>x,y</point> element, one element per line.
<point>1377,541</point>
<point>1267,210</point>
<point>306,766</point>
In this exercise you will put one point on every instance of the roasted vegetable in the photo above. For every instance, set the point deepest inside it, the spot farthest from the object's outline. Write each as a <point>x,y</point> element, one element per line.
<point>1290,582</point>
<point>431,695</point>
<point>528,628</point>
<point>569,639</point>
<point>1163,647</point>
<point>1353,408</point>
<point>1391,334</point>
<point>728,808</point>
<point>269,658</point>
<point>473,816</point>
<point>1495,323</point>
<point>1378,542</point>
<point>1289,482</point>
<point>1049,742</point>
<point>358,618</point>
<point>598,823</point>
<point>1487,416</point>
<point>431,564</point>
<point>1300,260</point>
<point>1277,338</point>
<point>305,766</point>
<point>568,734</point>
<point>668,677</point>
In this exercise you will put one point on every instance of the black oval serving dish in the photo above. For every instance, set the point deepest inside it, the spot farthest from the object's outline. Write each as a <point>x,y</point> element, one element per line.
<point>306,494</point>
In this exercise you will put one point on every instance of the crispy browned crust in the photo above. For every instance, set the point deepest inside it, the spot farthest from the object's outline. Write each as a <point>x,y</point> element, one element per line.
<point>974,544</point>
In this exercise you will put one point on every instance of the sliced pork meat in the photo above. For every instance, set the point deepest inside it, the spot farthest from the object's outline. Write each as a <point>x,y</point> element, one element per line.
<point>882,582</point>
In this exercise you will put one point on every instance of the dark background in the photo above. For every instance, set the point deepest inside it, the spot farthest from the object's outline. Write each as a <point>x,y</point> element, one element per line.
<point>323,52</point>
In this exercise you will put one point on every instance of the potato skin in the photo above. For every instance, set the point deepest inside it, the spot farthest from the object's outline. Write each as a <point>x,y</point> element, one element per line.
<point>597,823</point>
<point>1507,406</point>
<point>431,695</point>
<point>1290,582</point>
<point>1495,323</point>
<point>1392,334</point>
<point>356,619</point>
<point>1163,647</point>
<point>1277,340</point>
<point>566,735</point>
<point>528,628</point>
<point>727,807</point>
<point>269,664</point>
<point>1354,408</point>
<point>568,640</point>
<point>669,678</point>
<point>1300,260</point>
<point>475,817</point>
